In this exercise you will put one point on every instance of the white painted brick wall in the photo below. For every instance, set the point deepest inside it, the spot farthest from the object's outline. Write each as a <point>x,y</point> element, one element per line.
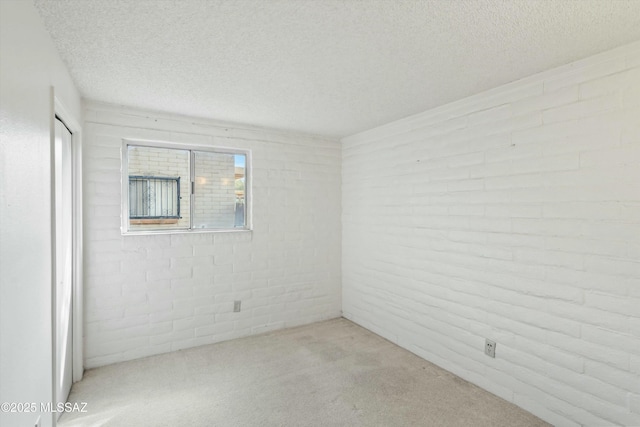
<point>512,215</point>
<point>149,294</point>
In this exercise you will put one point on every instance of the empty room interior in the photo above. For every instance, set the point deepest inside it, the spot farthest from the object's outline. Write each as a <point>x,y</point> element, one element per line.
<point>319,213</point>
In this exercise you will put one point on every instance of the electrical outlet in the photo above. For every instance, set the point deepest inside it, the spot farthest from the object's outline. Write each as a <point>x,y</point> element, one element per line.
<point>489,348</point>
<point>236,306</point>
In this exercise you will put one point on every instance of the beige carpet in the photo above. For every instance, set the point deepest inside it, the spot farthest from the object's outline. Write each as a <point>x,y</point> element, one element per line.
<point>331,373</point>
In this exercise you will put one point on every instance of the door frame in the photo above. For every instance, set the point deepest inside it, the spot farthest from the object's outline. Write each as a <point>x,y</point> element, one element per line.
<point>59,110</point>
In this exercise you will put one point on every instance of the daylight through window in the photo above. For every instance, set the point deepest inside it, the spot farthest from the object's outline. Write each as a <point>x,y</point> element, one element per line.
<point>175,188</point>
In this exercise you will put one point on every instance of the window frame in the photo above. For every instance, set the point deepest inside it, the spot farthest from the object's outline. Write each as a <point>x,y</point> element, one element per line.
<point>191,148</point>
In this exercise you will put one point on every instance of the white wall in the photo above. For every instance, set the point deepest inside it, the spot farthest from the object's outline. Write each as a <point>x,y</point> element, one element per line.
<point>29,67</point>
<point>512,215</point>
<point>157,293</point>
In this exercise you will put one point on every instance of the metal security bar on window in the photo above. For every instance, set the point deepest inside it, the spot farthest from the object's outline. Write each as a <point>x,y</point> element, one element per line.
<point>154,197</point>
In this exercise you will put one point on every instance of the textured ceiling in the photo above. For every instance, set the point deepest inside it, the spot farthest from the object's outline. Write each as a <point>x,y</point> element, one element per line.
<point>328,67</point>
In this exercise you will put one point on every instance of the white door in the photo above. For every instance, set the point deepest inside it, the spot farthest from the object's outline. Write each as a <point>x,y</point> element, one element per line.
<point>64,260</point>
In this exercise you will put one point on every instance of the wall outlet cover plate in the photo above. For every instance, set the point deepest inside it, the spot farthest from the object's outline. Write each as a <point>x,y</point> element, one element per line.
<point>490,348</point>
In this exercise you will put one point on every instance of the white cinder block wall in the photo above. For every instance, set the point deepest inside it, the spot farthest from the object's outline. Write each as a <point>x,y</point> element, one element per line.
<point>149,294</point>
<point>512,215</point>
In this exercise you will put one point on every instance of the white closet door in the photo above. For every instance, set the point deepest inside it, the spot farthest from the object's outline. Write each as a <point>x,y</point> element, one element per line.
<point>64,260</point>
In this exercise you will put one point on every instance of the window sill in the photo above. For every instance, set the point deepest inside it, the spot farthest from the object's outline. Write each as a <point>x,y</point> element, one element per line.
<point>153,221</point>
<point>185,231</point>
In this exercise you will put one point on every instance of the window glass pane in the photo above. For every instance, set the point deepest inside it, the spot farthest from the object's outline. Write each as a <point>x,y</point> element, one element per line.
<point>219,182</point>
<point>240,184</point>
<point>184,189</point>
<point>159,181</point>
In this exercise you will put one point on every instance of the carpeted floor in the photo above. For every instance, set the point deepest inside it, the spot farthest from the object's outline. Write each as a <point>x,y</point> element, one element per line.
<point>331,373</point>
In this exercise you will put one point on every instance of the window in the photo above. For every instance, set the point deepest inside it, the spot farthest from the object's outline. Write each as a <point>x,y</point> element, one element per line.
<point>170,187</point>
<point>153,199</point>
